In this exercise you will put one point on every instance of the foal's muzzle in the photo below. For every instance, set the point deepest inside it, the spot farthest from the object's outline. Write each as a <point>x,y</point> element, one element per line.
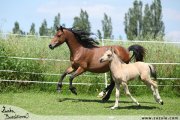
<point>101,61</point>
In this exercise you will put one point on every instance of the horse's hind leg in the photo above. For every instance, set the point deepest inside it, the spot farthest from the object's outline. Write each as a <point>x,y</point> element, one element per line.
<point>149,84</point>
<point>154,88</point>
<point>129,94</point>
<point>68,71</point>
<point>159,100</point>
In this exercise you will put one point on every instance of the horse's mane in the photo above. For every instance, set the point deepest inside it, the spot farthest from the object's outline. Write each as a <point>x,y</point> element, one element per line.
<point>84,38</point>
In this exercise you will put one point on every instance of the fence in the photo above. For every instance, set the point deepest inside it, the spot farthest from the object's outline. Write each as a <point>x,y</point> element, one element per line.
<point>103,42</point>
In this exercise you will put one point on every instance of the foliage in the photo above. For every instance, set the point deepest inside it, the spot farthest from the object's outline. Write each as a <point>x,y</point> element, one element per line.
<point>144,26</point>
<point>107,27</point>
<point>82,22</point>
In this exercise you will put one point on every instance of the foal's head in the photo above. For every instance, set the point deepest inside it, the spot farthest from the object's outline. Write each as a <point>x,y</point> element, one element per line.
<point>58,39</point>
<point>108,55</point>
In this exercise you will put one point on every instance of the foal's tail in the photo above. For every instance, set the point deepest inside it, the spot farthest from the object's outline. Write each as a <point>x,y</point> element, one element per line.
<point>153,71</point>
<point>139,52</point>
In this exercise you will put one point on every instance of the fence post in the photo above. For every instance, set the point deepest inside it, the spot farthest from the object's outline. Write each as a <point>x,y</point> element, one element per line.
<point>105,74</point>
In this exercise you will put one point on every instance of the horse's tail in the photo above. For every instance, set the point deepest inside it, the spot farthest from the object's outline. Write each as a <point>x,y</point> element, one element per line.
<point>153,71</point>
<point>139,52</point>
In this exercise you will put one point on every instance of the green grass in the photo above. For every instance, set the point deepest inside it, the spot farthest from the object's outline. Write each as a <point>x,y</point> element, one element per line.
<point>61,104</point>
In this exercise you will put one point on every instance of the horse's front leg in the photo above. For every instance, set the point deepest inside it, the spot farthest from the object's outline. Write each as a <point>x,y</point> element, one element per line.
<point>117,96</point>
<point>79,71</point>
<point>68,71</point>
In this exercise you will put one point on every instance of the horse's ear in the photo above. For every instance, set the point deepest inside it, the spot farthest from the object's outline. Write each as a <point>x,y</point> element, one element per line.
<point>61,28</point>
<point>57,28</point>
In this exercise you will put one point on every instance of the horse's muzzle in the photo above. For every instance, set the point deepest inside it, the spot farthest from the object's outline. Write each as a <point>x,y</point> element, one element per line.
<point>51,46</point>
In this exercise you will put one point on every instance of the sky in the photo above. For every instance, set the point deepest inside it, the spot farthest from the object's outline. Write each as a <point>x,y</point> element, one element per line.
<point>27,12</point>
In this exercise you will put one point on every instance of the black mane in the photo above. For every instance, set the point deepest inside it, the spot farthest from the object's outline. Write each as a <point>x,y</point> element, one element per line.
<point>83,38</point>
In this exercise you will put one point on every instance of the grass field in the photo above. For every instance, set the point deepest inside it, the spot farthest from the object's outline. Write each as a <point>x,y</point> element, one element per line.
<point>61,104</point>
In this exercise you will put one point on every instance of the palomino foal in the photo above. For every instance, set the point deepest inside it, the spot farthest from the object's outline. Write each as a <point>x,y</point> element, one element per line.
<point>122,73</point>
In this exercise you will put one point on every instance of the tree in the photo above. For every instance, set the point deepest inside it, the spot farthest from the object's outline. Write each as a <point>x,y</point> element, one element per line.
<point>158,25</point>
<point>16,29</point>
<point>32,30</point>
<point>43,30</point>
<point>147,23</point>
<point>107,27</point>
<point>148,26</point>
<point>82,22</point>
<point>133,21</point>
<point>56,23</point>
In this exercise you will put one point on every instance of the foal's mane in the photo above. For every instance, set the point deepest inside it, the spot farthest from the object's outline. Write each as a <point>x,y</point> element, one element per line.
<point>83,37</point>
<point>120,60</point>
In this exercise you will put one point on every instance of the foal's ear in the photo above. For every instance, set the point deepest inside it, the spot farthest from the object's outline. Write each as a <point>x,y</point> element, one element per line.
<point>112,49</point>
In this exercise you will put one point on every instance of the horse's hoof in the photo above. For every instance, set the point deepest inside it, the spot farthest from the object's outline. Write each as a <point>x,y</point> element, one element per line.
<point>138,104</point>
<point>113,108</point>
<point>105,99</point>
<point>162,103</point>
<point>73,90</point>
<point>102,94</point>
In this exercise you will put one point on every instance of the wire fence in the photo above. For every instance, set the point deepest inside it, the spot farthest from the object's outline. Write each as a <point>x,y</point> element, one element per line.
<point>5,36</point>
<point>53,74</point>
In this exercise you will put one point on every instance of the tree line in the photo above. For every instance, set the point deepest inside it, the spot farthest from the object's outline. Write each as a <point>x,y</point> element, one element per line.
<point>142,23</point>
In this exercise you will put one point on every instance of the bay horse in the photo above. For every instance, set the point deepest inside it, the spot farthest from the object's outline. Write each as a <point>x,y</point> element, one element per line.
<point>122,73</point>
<point>84,54</point>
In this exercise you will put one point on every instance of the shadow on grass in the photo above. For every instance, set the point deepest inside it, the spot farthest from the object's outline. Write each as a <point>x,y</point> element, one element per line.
<point>95,100</point>
<point>111,101</point>
<point>80,100</point>
<point>137,107</point>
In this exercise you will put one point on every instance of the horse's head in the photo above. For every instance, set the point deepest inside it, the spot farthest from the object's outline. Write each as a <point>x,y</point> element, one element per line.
<point>58,39</point>
<point>107,56</point>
